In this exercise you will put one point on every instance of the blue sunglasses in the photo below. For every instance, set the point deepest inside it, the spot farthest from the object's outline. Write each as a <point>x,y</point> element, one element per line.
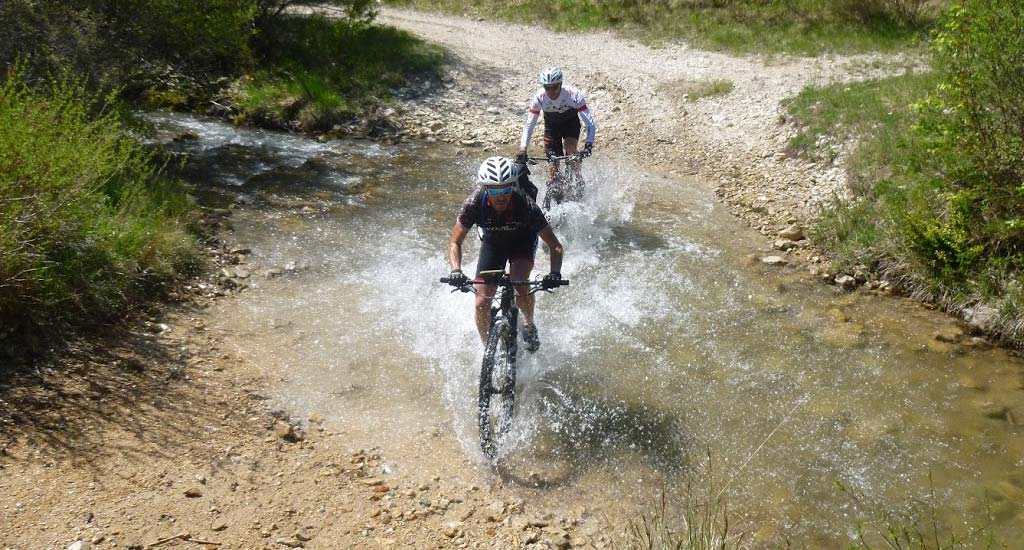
<point>495,191</point>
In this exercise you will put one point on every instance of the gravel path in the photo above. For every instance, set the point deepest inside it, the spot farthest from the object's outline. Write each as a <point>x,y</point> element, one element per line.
<point>736,142</point>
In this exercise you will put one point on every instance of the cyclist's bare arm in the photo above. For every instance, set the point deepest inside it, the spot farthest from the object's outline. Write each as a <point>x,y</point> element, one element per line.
<point>555,248</point>
<point>455,246</point>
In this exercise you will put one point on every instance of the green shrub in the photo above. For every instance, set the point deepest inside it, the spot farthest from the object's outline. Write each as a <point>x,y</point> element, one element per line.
<point>86,228</point>
<point>978,54</point>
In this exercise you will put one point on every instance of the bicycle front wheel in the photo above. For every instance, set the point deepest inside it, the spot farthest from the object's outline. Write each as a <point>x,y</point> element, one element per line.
<point>497,385</point>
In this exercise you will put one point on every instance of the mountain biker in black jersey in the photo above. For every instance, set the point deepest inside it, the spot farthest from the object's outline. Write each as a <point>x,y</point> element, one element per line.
<point>563,107</point>
<point>510,222</point>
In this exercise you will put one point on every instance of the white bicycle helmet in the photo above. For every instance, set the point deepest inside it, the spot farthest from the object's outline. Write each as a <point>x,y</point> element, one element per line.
<point>551,75</point>
<point>497,171</point>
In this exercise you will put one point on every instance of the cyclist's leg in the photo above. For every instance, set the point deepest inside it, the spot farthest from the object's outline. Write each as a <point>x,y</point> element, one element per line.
<point>520,267</point>
<point>491,257</point>
<point>552,147</point>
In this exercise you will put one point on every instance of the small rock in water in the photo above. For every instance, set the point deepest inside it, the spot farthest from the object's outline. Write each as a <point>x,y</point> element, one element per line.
<point>950,335</point>
<point>774,260</point>
<point>846,282</point>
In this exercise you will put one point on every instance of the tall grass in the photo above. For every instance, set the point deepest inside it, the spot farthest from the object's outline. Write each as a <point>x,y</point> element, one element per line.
<point>762,26</point>
<point>87,228</point>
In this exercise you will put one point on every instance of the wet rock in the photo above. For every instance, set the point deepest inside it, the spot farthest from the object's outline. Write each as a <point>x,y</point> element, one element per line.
<point>792,233</point>
<point>978,342</point>
<point>273,272</point>
<point>777,261</point>
<point>846,282</point>
<point>838,316</point>
<point>981,318</point>
<point>188,135</point>
<point>950,335</point>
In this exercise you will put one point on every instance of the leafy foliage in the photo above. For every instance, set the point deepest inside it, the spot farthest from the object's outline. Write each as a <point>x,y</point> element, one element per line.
<point>86,226</point>
<point>938,175</point>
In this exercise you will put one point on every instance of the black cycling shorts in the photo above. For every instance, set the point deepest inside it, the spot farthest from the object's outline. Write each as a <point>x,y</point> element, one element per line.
<point>557,129</point>
<point>494,256</point>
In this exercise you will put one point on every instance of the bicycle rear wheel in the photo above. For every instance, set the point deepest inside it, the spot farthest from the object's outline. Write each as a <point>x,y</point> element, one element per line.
<point>497,385</point>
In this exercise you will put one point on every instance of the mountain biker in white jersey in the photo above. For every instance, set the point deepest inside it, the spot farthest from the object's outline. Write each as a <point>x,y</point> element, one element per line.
<point>510,222</point>
<point>563,107</point>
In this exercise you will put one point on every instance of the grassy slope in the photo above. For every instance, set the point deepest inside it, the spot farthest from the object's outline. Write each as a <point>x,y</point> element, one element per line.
<point>318,72</point>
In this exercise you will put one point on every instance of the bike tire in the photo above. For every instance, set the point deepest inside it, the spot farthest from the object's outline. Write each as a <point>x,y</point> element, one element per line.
<point>497,386</point>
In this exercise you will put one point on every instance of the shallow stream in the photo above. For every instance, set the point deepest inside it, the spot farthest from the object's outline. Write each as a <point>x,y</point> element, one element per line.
<point>673,360</point>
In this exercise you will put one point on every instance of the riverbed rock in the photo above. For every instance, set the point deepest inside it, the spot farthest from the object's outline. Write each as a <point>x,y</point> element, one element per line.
<point>78,545</point>
<point>951,335</point>
<point>981,318</point>
<point>783,244</point>
<point>775,261</point>
<point>846,282</point>
<point>792,233</point>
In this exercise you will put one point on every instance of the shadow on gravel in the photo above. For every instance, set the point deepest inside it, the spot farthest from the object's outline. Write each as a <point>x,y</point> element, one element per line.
<point>124,393</point>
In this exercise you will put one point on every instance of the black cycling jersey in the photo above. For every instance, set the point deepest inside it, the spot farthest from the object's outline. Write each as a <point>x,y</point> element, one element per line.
<point>521,222</point>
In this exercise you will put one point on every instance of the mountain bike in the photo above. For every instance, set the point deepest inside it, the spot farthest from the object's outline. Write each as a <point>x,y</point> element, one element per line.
<point>496,399</point>
<point>568,183</point>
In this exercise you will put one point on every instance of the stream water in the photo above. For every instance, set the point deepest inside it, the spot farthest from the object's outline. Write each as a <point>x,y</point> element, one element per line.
<point>674,362</point>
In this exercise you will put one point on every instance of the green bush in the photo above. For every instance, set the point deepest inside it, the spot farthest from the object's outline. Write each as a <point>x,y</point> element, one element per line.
<point>978,54</point>
<point>86,227</point>
<point>938,174</point>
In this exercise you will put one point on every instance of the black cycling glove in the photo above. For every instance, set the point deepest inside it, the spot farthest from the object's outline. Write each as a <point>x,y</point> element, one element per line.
<point>588,150</point>
<point>521,158</point>
<point>550,280</point>
<point>457,278</point>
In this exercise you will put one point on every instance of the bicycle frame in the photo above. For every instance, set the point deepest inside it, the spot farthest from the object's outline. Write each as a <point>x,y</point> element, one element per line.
<point>496,402</point>
<point>568,181</point>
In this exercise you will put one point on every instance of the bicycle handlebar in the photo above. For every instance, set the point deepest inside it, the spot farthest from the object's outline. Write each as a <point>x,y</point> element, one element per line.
<point>535,286</point>
<point>535,160</point>
<point>561,282</point>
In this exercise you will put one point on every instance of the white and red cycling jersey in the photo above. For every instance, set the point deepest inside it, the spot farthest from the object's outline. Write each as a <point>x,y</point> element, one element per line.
<point>564,108</point>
